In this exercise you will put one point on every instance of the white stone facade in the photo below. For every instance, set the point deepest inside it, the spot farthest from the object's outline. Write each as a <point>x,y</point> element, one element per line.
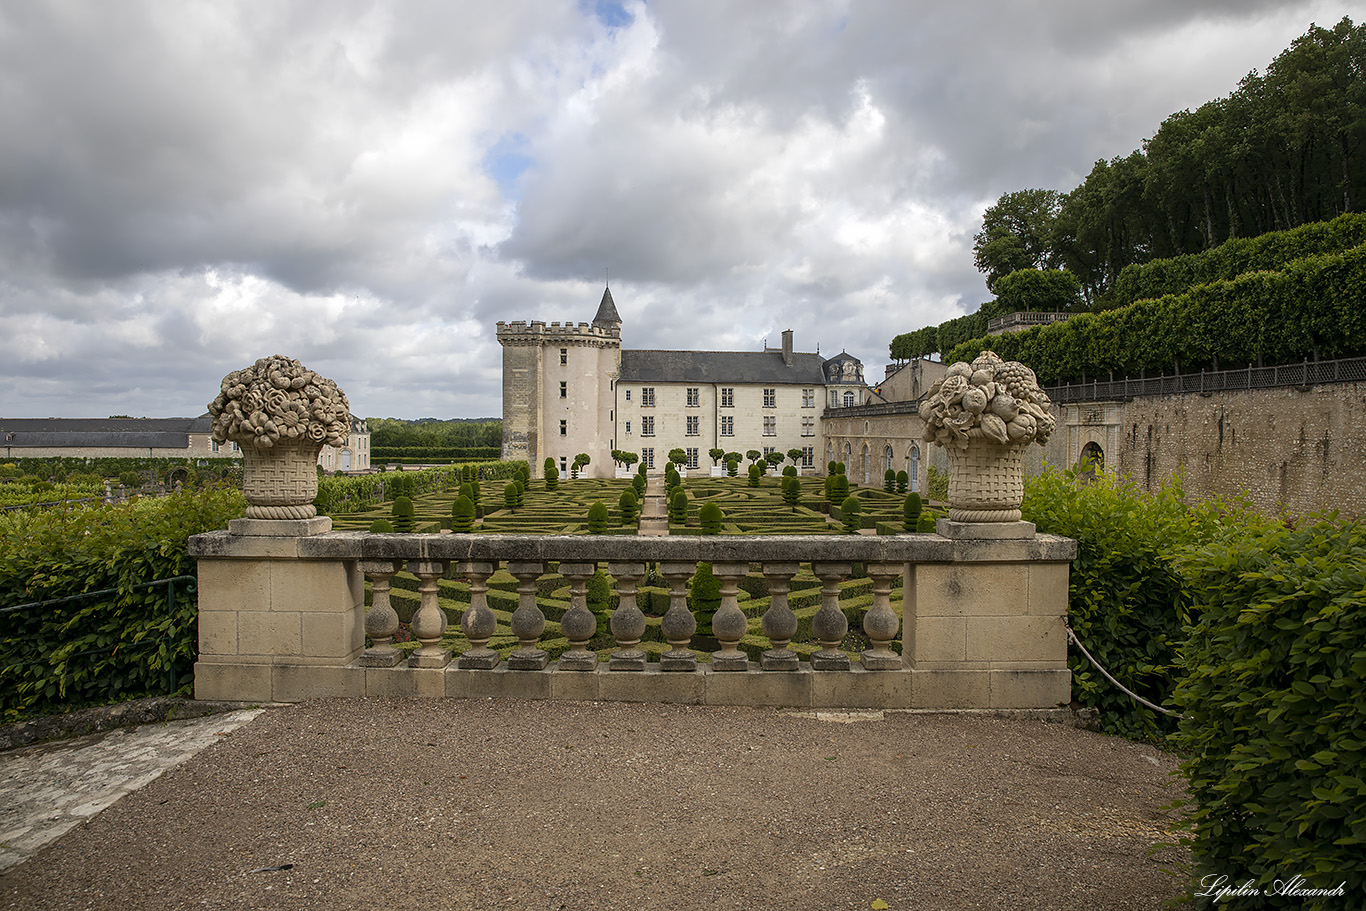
<point>570,388</point>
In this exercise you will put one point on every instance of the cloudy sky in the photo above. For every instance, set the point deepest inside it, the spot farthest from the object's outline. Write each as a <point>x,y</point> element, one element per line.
<point>188,185</point>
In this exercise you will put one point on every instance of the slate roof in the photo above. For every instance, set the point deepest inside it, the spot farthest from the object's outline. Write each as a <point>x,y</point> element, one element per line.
<point>738,367</point>
<point>123,433</point>
<point>607,310</point>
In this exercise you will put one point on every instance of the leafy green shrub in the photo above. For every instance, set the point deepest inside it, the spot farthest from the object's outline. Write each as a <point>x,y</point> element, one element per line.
<point>519,487</point>
<point>628,506</point>
<point>1126,602</point>
<point>790,471</point>
<point>903,481</point>
<point>937,484</point>
<point>638,482</point>
<point>754,475</point>
<point>928,523</point>
<point>710,518</point>
<point>717,455</point>
<point>510,495</point>
<point>910,512</point>
<point>792,492</point>
<point>850,514</point>
<point>600,600</point>
<point>839,488</point>
<point>678,508</point>
<point>130,479</point>
<point>889,481</point>
<point>1275,722</point>
<point>403,516</point>
<point>381,527</point>
<point>732,467</point>
<point>462,515</point>
<point>678,456</point>
<point>598,518</point>
<point>56,553</point>
<point>552,475</point>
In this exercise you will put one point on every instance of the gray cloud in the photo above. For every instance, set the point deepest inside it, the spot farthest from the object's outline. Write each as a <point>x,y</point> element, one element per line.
<point>369,186</point>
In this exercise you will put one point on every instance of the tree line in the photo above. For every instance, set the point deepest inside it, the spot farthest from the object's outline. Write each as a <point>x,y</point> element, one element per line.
<point>1281,151</point>
<point>432,433</point>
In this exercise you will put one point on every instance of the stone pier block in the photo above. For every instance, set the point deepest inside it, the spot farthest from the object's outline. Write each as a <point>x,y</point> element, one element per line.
<point>862,689</point>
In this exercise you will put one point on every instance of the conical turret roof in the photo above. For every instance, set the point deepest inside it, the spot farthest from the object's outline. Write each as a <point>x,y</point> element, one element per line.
<point>607,311</point>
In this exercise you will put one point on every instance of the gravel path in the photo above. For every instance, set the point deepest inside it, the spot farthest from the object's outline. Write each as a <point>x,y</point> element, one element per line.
<point>538,805</point>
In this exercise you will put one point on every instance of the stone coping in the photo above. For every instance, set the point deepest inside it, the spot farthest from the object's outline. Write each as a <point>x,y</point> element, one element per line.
<point>909,548</point>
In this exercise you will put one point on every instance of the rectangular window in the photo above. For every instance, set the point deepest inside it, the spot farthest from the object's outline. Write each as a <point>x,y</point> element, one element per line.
<point>727,426</point>
<point>808,427</point>
<point>834,398</point>
<point>564,389</point>
<point>564,462</point>
<point>647,426</point>
<point>694,396</point>
<point>770,426</point>
<point>235,447</point>
<point>808,457</point>
<point>564,355</point>
<point>693,422</point>
<point>215,445</point>
<point>647,457</point>
<point>628,426</point>
<point>692,457</point>
<point>768,451</point>
<point>628,395</point>
<point>727,397</point>
<point>808,398</point>
<point>647,397</point>
<point>770,398</point>
<point>564,428</point>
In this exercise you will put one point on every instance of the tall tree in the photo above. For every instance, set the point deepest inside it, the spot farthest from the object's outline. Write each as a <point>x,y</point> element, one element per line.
<point>1017,233</point>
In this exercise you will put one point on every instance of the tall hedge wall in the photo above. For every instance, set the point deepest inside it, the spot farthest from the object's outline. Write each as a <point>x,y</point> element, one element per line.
<point>1267,252</point>
<point>1275,713</point>
<point>340,496</point>
<point>1310,309</point>
<point>54,553</point>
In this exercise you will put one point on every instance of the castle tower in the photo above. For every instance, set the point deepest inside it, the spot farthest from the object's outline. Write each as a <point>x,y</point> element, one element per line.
<point>557,390</point>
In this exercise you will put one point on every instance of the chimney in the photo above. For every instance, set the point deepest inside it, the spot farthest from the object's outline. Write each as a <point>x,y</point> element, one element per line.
<point>787,347</point>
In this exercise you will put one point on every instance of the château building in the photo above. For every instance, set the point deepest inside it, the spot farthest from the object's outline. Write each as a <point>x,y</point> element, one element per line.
<point>571,388</point>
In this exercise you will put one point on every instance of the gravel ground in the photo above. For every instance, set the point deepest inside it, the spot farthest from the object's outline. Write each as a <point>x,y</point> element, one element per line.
<point>539,805</point>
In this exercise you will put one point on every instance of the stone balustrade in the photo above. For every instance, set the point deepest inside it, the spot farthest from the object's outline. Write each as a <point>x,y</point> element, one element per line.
<point>282,617</point>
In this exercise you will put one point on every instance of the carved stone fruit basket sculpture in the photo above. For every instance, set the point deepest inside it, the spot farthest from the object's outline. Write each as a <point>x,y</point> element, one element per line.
<point>281,414</point>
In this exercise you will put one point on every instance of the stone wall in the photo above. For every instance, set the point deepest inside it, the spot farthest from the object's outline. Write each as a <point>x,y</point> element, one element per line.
<point>1295,449</point>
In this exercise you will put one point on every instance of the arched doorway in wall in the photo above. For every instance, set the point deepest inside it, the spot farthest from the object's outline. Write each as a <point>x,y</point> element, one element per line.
<point>913,467</point>
<point>1092,460</point>
<point>344,463</point>
<point>865,464</point>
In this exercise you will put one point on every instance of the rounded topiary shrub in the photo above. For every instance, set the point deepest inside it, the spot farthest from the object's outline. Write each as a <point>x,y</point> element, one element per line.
<point>552,475</point>
<point>889,480</point>
<point>462,515</point>
<point>404,523</point>
<point>678,508</point>
<point>754,475</point>
<point>790,471</point>
<point>732,467</point>
<point>851,512</point>
<point>628,505</point>
<point>910,512</point>
<point>381,527</point>
<point>510,495</point>
<point>130,479</point>
<point>710,518</point>
<point>792,491</point>
<point>902,481</point>
<point>597,518</point>
<point>704,597</point>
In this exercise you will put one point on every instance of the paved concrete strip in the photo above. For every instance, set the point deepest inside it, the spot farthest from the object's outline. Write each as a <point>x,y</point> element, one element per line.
<point>48,789</point>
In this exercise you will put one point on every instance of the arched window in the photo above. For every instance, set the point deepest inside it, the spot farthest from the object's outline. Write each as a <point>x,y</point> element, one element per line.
<point>913,467</point>
<point>849,400</point>
<point>865,464</point>
<point>889,455</point>
<point>848,455</point>
<point>829,452</point>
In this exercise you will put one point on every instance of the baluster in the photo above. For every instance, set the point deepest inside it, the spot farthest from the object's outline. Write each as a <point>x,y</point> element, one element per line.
<point>678,623</point>
<point>478,622</point>
<point>381,621</point>
<point>881,623</point>
<point>628,621</point>
<point>729,624</point>
<point>527,621</point>
<point>429,623</point>
<point>780,623</point>
<point>829,625</point>
<point>578,624</point>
